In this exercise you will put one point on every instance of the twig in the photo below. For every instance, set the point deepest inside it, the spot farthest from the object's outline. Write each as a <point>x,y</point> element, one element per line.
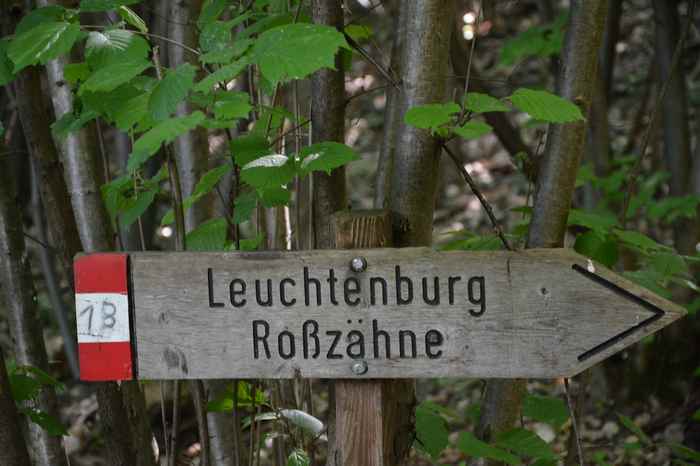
<point>470,59</point>
<point>363,53</point>
<point>199,399</point>
<point>636,168</point>
<point>175,424</point>
<point>573,422</point>
<point>484,203</point>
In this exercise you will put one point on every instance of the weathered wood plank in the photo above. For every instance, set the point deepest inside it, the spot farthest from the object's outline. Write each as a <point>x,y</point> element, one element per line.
<point>500,314</point>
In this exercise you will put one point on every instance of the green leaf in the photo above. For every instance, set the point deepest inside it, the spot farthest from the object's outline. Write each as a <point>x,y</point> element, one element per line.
<point>234,105</point>
<point>247,148</point>
<point>171,90</point>
<point>238,48</point>
<point>671,208</point>
<point>431,430</point>
<point>204,186</point>
<point>600,222</point>
<point>6,73</point>
<point>270,171</point>
<point>472,446</point>
<point>215,36</point>
<point>24,387</point>
<point>131,111</point>
<point>431,116</point>
<point>298,458</point>
<point>114,46</point>
<point>473,130</point>
<point>358,32</point>
<point>222,75</point>
<point>634,428</point>
<point>42,43</point>
<point>294,51</point>
<point>132,19</point>
<point>104,5</point>
<point>685,452</point>
<point>545,106</point>
<point>211,10</point>
<point>524,442</point>
<point>164,132</point>
<point>648,278</point>
<point>474,243</point>
<point>275,196</point>
<point>549,409</point>
<point>49,423</point>
<point>637,240</point>
<point>112,76</point>
<point>483,103</point>
<point>599,248</point>
<point>46,14</point>
<point>326,156</point>
<point>69,123</point>
<point>541,41</point>
<point>209,236</point>
<point>244,206</point>
<point>668,264</point>
<point>75,72</point>
<point>136,206</point>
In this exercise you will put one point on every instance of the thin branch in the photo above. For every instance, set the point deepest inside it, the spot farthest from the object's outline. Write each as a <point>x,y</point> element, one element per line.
<point>484,203</point>
<point>636,169</point>
<point>470,59</point>
<point>573,422</point>
<point>363,53</point>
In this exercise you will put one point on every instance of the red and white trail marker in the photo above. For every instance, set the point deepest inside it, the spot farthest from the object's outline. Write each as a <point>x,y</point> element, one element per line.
<point>102,316</point>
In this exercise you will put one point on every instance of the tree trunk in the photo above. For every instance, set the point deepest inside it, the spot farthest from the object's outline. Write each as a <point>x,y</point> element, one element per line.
<point>676,132</point>
<point>328,124</point>
<point>192,148</point>
<point>19,294</point>
<point>13,451</point>
<point>423,55</point>
<point>555,182</point>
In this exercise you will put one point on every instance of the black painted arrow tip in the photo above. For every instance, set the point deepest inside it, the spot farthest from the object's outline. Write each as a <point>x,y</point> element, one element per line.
<point>655,310</point>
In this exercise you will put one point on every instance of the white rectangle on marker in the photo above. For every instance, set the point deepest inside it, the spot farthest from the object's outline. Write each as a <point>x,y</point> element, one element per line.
<point>102,317</point>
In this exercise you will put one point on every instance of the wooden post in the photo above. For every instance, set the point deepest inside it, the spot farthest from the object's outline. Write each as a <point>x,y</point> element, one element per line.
<point>359,413</point>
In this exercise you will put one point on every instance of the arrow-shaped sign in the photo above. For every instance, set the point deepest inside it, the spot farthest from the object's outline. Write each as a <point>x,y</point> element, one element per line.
<point>378,313</point>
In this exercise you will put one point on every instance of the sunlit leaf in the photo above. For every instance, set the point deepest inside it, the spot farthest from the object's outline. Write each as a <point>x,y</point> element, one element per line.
<point>545,106</point>
<point>132,18</point>
<point>269,171</point>
<point>326,156</point>
<point>114,46</point>
<point>42,43</point>
<point>483,103</point>
<point>431,116</point>
<point>549,409</point>
<point>294,51</point>
<point>104,5</point>
<point>298,458</point>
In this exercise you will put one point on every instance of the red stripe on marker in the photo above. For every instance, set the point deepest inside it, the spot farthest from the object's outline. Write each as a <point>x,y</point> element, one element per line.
<point>100,273</point>
<point>101,362</point>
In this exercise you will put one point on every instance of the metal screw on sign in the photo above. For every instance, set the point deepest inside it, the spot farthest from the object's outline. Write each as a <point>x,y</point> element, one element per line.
<point>359,367</point>
<point>358,264</point>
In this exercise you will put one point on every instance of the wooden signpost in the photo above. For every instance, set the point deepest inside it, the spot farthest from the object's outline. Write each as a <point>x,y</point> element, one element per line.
<point>354,314</point>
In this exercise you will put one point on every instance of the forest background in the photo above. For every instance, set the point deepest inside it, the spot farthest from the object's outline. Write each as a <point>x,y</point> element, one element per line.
<point>245,125</point>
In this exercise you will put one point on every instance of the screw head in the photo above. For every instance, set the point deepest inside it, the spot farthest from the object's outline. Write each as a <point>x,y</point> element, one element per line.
<point>359,367</point>
<point>358,264</point>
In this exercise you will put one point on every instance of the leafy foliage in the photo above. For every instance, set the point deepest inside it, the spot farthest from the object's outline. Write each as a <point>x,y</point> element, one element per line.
<point>294,51</point>
<point>170,91</point>
<point>26,384</point>
<point>431,429</point>
<point>545,106</point>
<point>549,409</point>
<point>475,448</point>
<point>42,43</point>
<point>540,41</point>
<point>483,103</point>
<point>326,156</point>
<point>431,116</point>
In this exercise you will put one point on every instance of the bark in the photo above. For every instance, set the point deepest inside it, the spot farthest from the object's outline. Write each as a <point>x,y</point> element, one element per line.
<point>192,148</point>
<point>13,451</point>
<point>676,133</point>
<point>556,180</point>
<point>423,54</point>
<point>19,295</point>
<point>328,124</point>
<point>33,108</point>
<point>392,117</point>
<point>424,62</point>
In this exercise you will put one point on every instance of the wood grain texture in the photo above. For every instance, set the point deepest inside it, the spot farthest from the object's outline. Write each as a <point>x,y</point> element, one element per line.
<point>540,314</point>
<point>359,404</point>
